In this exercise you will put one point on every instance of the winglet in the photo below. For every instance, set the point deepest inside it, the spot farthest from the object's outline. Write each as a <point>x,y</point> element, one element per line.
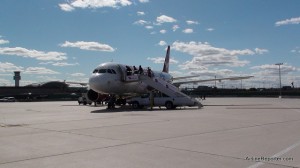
<point>167,60</point>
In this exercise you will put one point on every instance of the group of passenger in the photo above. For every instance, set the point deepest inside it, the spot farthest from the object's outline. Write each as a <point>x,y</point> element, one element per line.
<point>139,70</point>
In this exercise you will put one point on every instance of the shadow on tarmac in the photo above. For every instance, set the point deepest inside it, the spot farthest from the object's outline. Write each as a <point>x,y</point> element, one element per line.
<point>129,109</point>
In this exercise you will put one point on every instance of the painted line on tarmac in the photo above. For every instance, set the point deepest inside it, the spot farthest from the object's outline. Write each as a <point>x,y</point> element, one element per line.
<point>267,108</point>
<point>286,150</point>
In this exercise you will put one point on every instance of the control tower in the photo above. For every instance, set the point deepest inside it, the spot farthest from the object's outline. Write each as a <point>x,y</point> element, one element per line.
<point>17,78</point>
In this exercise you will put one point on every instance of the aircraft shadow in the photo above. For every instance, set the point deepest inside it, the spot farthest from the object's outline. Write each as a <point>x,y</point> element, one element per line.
<point>128,109</point>
<point>118,110</point>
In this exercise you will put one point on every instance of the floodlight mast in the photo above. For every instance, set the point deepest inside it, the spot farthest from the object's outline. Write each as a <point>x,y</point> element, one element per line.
<point>279,78</point>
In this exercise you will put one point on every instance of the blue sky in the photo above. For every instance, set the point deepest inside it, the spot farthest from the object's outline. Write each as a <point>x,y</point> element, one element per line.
<point>66,39</point>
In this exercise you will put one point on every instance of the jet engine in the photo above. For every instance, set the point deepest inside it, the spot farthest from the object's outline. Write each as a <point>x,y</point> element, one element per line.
<point>94,96</point>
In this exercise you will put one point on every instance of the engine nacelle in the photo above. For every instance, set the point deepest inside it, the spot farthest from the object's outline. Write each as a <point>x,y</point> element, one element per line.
<point>94,96</point>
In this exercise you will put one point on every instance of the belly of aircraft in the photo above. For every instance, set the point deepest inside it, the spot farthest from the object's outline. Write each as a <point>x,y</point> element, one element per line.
<point>120,88</point>
<point>131,87</point>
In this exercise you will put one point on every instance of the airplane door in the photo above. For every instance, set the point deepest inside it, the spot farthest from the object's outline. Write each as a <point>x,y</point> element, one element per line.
<point>122,72</point>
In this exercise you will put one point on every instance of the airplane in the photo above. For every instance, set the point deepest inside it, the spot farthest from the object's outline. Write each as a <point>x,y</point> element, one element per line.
<point>119,79</point>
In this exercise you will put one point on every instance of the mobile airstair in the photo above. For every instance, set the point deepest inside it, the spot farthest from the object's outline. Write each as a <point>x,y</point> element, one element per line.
<point>179,98</point>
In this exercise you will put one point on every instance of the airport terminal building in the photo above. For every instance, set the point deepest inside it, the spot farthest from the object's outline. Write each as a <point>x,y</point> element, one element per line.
<point>55,90</point>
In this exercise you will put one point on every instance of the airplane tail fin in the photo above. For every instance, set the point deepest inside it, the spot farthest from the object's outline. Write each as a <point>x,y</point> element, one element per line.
<point>167,60</point>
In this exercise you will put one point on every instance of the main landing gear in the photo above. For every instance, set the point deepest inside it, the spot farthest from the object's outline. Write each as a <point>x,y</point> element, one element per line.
<point>112,101</point>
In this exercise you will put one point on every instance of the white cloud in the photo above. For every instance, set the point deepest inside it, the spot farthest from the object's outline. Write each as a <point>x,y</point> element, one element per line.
<point>46,78</point>
<point>269,78</point>
<point>39,55</point>
<point>192,65</point>
<point>61,64</point>
<point>187,31</point>
<point>46,63</point>
<point>9,67</point>
<point>161,60</point>
<point>149,27</point>
<point>288,21</point>
<point>210,29</point>
<point>296,50</point>
<point>144,1</point>
<point>140,13</point>
<point>6,74</point>
<point>260,51</point>
<point>216,60</point>
<point>205,49</point>
<point>190,22</point>
<point>92,46</point>
<point>92,4</point>
<point>39,70</point>
<point>165,19</point>
<point>175,27</point>
<point>206,55</point>
<point>162,43</point>
<point>212,73</point>
<point>77,74</point>
<point>163,31</point>
<point>66,7</point>
<point>3,41</point>
<point>141,22</point>
<point>177,73</point>
<point>5,82</point>
<point>272,69</point>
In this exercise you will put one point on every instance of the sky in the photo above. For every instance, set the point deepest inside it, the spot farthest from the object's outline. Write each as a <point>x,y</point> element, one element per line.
<point>57,40</point>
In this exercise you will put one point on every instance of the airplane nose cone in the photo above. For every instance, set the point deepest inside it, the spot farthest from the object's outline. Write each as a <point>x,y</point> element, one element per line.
<point>94,81</point>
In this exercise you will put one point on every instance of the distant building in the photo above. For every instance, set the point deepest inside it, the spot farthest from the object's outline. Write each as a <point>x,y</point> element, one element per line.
<point>17,78</point>
<point>51,84</point>
<point>44,90</point>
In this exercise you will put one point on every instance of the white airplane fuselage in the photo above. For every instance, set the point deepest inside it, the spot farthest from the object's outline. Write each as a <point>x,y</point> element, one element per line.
<point>120,79</point>
<point>113,78</point>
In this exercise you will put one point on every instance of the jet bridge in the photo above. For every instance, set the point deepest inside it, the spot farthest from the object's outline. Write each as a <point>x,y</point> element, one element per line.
<point>170,90</point>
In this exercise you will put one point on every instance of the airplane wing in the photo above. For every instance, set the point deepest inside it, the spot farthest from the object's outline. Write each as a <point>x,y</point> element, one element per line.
<point>184,77</point>
<point>207,80</point>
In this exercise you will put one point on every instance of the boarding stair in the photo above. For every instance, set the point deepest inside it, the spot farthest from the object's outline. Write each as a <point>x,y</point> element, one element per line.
<point>165,87</point>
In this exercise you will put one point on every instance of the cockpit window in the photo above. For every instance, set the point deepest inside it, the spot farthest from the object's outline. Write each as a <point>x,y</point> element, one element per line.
<point>111,71</point>
<point>102,71</point>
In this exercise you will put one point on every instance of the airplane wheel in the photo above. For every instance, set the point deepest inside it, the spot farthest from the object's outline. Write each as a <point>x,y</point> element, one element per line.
<point>169,105</point>
<point>135,105</point>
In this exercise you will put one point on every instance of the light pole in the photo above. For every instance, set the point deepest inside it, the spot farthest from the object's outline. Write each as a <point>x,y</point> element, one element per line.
<point>279,78</point>
<point>215,81</point>
<point>241,83</point>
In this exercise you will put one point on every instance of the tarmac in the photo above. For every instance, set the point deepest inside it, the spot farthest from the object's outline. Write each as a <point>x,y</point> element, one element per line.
<point>226,132</point>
